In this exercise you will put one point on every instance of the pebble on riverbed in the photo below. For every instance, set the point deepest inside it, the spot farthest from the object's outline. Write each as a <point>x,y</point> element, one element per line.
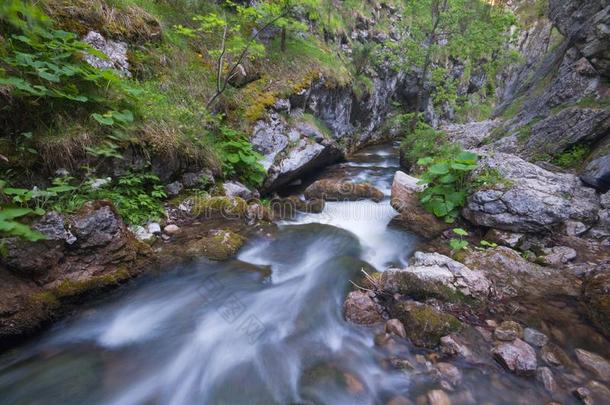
<point>517,356</point>
<point>508,331</point>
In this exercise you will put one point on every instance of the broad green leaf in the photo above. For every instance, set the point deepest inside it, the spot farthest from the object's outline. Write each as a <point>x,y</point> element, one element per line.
<point>102,119</point>
<point>466,157</point>
<point>463,167</point>
<point>12,213</point>
<point>439,168</point>
<point>460,231</point>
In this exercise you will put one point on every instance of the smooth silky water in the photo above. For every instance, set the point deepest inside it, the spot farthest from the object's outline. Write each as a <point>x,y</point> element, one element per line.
<point>265,328</point>
<point>230,333</point>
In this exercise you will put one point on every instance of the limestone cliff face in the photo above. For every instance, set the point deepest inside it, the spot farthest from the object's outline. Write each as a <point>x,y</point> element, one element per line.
<point>560,98</point>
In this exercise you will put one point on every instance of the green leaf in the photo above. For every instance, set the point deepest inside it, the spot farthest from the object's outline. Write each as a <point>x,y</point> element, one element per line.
<point>12,213</point>
<point>463,167</point>
<point>61,189</point>
<point>460,231</point>
<point>456,197</point>
<point>439,208</point>
<point>467,158</point>
<point>104,120</point>
<point>458,244</point>
<point>425,161</point>
<point>488,244</point>
<point>439,168</point>
<point>233,158</point>
<point>448,179</point>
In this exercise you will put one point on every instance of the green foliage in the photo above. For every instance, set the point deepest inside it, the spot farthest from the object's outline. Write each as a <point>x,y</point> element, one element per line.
<point>446,181</point>
<point>488,244</point>
<point>458,244</point>
<point>490,177</point>
<point>423,141</point>
<point>573,156</point>
<point>468,110</point>
<point>9,226</point>
<point>13,208</point>
<point>238,158</point>
<point>472,32</point>
<point>138,197</point>
<point>44,62</point>
<point>11,214</point>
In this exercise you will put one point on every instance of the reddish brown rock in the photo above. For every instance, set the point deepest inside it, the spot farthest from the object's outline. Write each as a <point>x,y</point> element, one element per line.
<point>517,356</point>
<point>361,309</point>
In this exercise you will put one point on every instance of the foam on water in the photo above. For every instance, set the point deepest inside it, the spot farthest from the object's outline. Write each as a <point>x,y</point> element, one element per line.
<point>187,336</point>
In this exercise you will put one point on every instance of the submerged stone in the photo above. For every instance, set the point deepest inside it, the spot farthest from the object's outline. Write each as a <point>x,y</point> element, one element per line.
<point>517,356</point>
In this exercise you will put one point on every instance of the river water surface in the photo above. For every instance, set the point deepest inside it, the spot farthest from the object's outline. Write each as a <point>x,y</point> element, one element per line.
<point>267,327</point>
<point>230,333</point>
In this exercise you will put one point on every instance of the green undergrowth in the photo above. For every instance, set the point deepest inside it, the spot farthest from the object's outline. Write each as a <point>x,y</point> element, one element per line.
<point>423,141</point>
<point>572,157</point>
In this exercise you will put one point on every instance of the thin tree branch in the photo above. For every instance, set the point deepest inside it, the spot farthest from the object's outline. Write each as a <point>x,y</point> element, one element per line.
<point>242,55</point>
<point>221,57</point>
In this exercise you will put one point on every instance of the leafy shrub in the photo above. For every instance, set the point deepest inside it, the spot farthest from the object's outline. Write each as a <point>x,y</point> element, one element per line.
<point>238,158</point>
<point>138,197</point>
<point>572,157</point>
<point>447,184</point>
<point>423,141</point>
<point>45,62</point>
<point>9,215</point>
<point>9,226</point>
<point>458,244</point>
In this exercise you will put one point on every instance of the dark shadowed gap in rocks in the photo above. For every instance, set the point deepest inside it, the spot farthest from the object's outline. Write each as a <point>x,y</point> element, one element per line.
<point>265,328</point>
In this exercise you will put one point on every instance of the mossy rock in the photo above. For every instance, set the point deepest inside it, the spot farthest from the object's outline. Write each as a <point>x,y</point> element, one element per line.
<point>424,324</point>
<point>219,245</point>
<point>419,288</point>
<point>220,207</point>
<point>67,289</point>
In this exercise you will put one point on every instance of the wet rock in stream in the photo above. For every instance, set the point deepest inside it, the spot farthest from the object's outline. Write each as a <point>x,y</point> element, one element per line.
<point>517,356</point>
<point>360,308</point>
<point>424,324</point>
<point>594,363</point>
<point>217,245</point>
<point>340,190</point>
<point>434,275</point>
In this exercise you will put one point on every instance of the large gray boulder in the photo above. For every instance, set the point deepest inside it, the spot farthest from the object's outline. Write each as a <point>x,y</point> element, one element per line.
<point>435,275</point>
<point>531,199</point>
<point>513,276</point>
<point>235,189</point>
<point>470,135</point>
<point>597,173</point>
<point>291,150</point>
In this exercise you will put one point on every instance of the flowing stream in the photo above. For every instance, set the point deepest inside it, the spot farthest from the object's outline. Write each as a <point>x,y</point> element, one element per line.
<point>230,333</point>
<point>267,327</point>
